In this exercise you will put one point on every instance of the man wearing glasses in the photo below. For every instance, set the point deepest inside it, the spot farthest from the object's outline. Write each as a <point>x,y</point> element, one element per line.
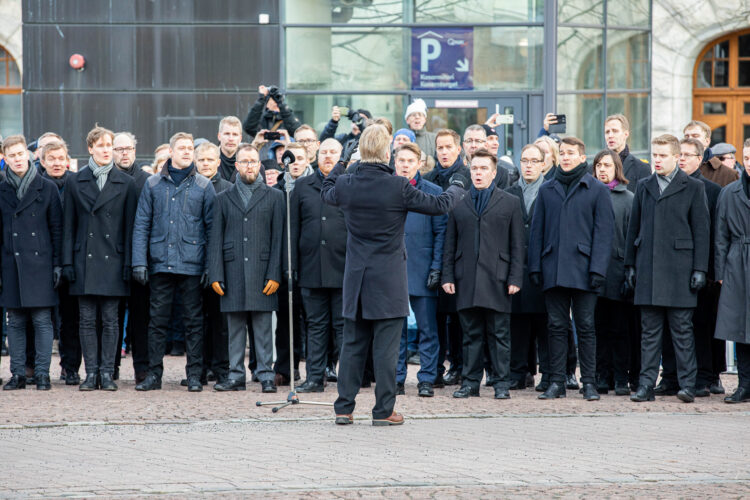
<point>306,136</point>
<point>475,137</point>
<point>711,166</point>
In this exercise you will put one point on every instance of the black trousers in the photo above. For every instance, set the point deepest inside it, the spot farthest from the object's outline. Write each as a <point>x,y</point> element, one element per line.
<point>482,327</point>
<point>384,336</point>
<point>66,317</point>
<point>612,319</point>
<point>323,308</point>
<point>559,302</point>
<point>215,337</point>
<point>282,329</point>
<point>524,331</point>
<point>743,364</point>
<point>451,340</point>
<point>710,353</point>
<point>680,321</point>
<point>163,288</point>
<point>136,331</point>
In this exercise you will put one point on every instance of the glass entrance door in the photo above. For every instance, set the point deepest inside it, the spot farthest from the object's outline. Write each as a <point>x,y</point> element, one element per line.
<point>508,113</point>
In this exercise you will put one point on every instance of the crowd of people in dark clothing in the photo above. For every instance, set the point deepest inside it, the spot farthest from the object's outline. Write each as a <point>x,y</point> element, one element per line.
<point>567,260</point>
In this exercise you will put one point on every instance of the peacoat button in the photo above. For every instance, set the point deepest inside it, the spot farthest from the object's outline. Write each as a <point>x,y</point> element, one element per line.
<point>171,222</point>
<point>106,257</point>
<point>33,234</point>
<point>106,236</point>
<point>322,218</point>
<point>245,219</point>
<point>245,239</point>
<point>90,256</point>
<point>322,242</point>
<point>245,259</point>
<point>169,267</point>
<point>16,254</point>
<point>15,234</point>
<point>91,235</point>
<point>36,253</point>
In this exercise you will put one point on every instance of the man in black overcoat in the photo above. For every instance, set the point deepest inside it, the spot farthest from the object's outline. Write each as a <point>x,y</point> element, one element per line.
<point>318,257</point>
<point>375,292</point>
<point>100,204</point>
<point>244,266</point>
<point>486,275</point>
<point>666,260</point>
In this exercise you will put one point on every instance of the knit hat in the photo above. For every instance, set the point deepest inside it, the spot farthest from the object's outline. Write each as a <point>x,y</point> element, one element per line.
<point>408,133</point>
<point>418,106</point>
<point>489,130</point>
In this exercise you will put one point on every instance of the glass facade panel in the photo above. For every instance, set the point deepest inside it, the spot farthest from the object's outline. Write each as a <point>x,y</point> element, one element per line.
<point>714,108</point>
<point>744,45</point>
<point>580,11</point>
<point>635,107</point>
<point>337,11</point>
<point>315,110</point>
<point>478,11</point>
<point>627,60</point>
<point>345,59</point>
<point>519,50</point>
<point>14,76</point>
<point>718,134</point>
<point>585,118</point>
<point>11,120</point>
<point>630,13</point>
<point>721,73</point>
<point>704,75</point>
<point>743,76</point>
<point>579,58</point>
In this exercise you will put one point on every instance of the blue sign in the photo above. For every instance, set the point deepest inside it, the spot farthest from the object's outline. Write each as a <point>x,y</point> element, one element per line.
<point>442,58</point>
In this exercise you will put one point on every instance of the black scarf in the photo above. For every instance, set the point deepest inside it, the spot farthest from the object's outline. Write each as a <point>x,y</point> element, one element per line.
<point>446,173</point>
<point>179,174</point>
<point>624,154</point>
<point>59,181</point>
<point>227,168</point>
<point>746,183</point>
<point>571,178</point>
<point>481,197</point>
<point>128,170</point>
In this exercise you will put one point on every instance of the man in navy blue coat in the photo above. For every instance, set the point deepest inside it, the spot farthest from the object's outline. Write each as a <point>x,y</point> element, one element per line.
<point>424,236</point>
<point>375,293</point>
<point>569,250</point>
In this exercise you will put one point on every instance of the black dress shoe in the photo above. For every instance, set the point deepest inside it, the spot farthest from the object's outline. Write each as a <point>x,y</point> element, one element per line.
<point>686,395</point>
<point>741,395</point>
<point>591,392</point>
<point>555,390</point>
<point>716,387</point>
<point>466,391</point>
<point>502,393</point>
<point>194,384</point>
<point>439,382</point>
<point>267,386</point>
<point>400,389</point>
<point>230,385</point>
<point>331,375</point>
<point>571,382</point>
<point>209,376</point>
<point>425,390</point>
<point>150,383</point>
<point>702,392</point>
<point>542,386</point>
<point>517,385</point>
<point>310,386</point>
<point>452,377</point>
<point>622,389</point>
<point>106,382</point>
<point>140,377</point>
<point>72,378</point>
<point>643,394</point>
<point>16,382</point>
<point>489,379</point>
<point>666,389</point>
<point>91,383</point>
<point>43,382</point>
<point>529,382</point>
<point>602,386</point>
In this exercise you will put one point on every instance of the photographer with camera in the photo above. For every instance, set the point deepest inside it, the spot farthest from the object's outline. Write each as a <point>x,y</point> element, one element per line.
<point>270,113</point>
<point>358,117</point>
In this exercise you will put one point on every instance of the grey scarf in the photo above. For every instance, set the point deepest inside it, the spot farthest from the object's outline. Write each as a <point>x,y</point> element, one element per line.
<point>665,180</point>
<point>530,191</point>
<point>246,190</point>
<point>100,173</point>
<point>21,184</point>
<point>289,180</point>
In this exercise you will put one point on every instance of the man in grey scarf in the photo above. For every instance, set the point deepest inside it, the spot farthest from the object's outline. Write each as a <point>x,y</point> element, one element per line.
<point>300,168</point>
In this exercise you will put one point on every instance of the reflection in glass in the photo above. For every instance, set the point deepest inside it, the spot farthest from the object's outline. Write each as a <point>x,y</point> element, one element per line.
<point>744,45</point>
<point>580,11</point>
<point>714,108</point>
<point>11,121</point>
<point>743,75</point>
<point>315,110</point>
<point>721,50</point>
<point>627,60</point>
<point>14,76</point>
<point>519,49</point>
<point>721,73</point>
<point>746,131</point>
<point>478,11</point>
<point>704,75</point>
<point>635,108</point>
<point>719,134</point>
<point>585,118</point>
<point>746,109</point>
<point>630,13</point>
<point>335,11</point>
<point>345,58</point>
<point>579,58</point>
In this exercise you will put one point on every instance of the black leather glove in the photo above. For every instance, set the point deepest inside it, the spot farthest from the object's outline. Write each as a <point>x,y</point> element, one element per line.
<point>697,280</point>
<point>433,279</point>
<point>630,278</point>
<point>346,154</point>
<point>204,280</point>
<point>69,274</point>
<point>536,279</point>
<point>596,281</point>
<point>459,180</point>
<point>273,93</point>
<point>56,276</point>
<point>126,273</point>
<point>140,274</point>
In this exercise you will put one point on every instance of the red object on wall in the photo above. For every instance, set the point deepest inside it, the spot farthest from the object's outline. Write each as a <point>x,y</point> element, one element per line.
<point>77,61</point>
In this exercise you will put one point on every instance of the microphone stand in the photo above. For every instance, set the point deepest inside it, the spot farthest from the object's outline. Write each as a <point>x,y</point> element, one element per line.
<point>292,398</point>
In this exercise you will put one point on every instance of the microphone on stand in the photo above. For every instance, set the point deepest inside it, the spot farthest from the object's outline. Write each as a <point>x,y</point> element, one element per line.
<point>287,158</point>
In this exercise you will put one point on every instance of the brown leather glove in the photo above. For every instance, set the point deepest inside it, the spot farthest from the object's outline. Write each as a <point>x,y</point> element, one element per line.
<point>218,288</point>
<point>271,287</point>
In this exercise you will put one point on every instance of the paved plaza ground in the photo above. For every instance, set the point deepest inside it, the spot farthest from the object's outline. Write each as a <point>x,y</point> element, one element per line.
<point>65,443</point>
